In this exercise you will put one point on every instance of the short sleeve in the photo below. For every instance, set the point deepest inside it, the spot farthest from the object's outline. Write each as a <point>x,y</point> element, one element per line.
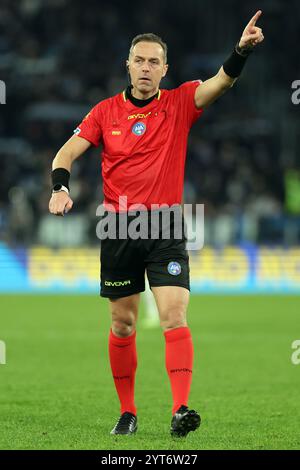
<point>187,101</point>
<point>90,127</point>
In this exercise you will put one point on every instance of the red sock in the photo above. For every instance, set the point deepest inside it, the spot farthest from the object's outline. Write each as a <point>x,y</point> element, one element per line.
<point>123,362</point>
<point>179,364</point>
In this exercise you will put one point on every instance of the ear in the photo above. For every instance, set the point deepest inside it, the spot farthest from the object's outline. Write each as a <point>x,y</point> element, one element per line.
<point>127,65</point>
<point>166,68</point>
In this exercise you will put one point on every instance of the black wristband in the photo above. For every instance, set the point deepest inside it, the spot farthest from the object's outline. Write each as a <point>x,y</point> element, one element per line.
<point>236,62</point>
<point>60,176</point>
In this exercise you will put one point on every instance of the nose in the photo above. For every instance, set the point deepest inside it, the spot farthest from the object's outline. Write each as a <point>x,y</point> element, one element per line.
<point>146,67</point>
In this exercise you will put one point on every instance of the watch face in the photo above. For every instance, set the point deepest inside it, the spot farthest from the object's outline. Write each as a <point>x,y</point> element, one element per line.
<point>57,187</point>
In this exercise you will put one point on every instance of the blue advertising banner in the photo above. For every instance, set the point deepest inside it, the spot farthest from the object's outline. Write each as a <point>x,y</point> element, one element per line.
<point>244,269</point>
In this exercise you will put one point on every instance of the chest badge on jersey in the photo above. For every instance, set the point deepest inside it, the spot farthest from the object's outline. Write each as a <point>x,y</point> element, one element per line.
<point>139,128</point>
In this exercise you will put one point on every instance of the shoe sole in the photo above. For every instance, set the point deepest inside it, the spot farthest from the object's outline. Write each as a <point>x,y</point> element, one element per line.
<point>189,422</point>
<point>123,433</point>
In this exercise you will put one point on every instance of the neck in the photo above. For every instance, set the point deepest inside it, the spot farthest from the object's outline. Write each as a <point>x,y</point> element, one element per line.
<point>143,96</point>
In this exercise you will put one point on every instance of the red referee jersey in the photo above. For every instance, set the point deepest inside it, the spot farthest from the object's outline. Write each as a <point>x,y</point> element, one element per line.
<point>144,149</point>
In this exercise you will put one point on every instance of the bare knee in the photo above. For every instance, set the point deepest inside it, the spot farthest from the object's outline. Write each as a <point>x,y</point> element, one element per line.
<point>173,318</point>
<point>124,316</point>
<point>123,327</point>
<point>172,303</point>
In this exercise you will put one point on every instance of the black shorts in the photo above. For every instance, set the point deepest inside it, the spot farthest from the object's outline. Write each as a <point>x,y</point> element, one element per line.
<point>161,254</point>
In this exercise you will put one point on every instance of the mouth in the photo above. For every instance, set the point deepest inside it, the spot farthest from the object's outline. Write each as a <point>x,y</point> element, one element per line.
<point>145,79</point>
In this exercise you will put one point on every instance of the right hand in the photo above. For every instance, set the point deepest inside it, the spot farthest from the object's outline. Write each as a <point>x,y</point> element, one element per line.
<point>252,35</point>
<point>60,203</point>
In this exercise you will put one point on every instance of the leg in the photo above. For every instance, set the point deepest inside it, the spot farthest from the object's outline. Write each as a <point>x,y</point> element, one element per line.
<point>122,279</point>
<point>124,313</point>
<point>172,302</point>
<point>123,358</point>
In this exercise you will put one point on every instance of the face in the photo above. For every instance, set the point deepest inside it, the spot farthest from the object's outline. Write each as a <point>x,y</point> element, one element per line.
<point>146,68</point>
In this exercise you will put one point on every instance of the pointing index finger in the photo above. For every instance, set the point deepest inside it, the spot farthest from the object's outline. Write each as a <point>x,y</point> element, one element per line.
<point>255,18</point>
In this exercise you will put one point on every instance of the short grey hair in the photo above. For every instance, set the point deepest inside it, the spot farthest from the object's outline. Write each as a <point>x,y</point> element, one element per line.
<point>149,37</point>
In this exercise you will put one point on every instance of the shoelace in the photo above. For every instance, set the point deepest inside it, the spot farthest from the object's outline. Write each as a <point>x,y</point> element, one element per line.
<point>125,421</point>
<point>182,409</point>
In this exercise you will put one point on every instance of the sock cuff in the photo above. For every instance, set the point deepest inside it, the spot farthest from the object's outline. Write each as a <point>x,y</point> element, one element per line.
<point>113,339</point>
<point>177,334</point>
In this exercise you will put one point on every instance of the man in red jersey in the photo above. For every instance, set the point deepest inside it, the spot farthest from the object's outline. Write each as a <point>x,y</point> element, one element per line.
<point>144,132</point>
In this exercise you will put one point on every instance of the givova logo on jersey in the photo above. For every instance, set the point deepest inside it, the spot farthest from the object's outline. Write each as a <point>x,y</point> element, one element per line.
<point>139,128</point>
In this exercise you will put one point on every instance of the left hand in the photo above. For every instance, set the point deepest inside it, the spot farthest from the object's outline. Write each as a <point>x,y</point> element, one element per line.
<point>252,35</point>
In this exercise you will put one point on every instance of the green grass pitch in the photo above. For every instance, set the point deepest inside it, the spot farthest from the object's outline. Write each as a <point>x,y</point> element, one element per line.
<point>56,390</point>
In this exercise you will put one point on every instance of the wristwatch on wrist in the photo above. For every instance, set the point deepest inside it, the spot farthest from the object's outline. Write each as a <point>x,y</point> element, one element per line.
<point>57,188</point>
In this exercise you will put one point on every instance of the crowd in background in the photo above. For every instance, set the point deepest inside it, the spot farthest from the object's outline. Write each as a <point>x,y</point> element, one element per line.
<point>59,58</point>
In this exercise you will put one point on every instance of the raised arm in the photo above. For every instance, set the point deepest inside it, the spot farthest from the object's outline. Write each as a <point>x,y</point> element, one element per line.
<point>60,202</point>
<point>211,89</point>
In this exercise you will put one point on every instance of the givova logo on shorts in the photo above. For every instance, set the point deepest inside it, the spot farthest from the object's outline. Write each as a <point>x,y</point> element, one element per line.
<point>117,283</point>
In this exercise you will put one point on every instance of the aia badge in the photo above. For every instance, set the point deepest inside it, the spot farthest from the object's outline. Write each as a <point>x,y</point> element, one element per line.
<point>139,128</point>
<point>174,268</point>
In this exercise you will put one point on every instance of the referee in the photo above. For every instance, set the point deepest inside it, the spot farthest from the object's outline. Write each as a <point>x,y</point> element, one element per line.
<point>144,132</point>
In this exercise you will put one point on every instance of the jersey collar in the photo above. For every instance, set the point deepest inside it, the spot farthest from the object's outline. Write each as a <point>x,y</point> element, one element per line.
<point>125,98</point>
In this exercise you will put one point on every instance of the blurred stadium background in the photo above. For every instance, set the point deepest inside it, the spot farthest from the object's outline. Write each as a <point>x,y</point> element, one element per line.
<point>60,57</point>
